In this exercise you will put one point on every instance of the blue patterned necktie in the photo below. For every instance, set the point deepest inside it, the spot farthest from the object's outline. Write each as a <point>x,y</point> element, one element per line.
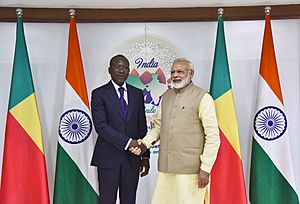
<point>124,105</point>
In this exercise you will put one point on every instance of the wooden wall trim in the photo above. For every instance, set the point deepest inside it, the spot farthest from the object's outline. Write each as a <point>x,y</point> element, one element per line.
<point>197,14</point>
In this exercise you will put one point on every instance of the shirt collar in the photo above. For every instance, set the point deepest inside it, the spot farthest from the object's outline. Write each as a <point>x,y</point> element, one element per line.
<point>116,86</point>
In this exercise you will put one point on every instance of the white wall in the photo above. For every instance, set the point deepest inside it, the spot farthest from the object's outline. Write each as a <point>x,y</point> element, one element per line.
<point>47,47</point>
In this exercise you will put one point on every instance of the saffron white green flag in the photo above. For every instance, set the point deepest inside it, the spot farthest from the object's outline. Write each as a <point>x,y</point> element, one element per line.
<point>272,176</point>
<point>75,180</point>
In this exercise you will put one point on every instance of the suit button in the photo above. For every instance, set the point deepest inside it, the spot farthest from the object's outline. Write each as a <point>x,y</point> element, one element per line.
<point>170,139</point>
<point>170,151</point>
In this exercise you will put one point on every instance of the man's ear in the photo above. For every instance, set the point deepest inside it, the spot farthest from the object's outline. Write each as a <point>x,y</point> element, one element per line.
<point>192,73</point>
<point>109,70</point>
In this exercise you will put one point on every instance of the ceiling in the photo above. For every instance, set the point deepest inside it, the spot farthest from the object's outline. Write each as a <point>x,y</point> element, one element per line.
<point>138,3</point>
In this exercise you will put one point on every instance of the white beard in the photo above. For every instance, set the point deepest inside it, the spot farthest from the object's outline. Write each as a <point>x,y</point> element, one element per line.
<point>181,84</point>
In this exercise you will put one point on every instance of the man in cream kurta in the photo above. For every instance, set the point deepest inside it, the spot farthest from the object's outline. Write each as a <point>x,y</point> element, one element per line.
<point>187,128</point>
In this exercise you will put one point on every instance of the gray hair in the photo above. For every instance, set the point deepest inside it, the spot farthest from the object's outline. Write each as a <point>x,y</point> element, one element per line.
<point>191,66</point>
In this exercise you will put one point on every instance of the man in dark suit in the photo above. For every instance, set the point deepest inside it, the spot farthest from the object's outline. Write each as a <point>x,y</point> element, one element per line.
<point>118,113</point>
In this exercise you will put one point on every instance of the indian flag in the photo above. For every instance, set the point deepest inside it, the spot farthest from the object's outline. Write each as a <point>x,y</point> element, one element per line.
<point>75,180</point>
<point>227,177</point>
<point>24,176</point>
<point>272,176</point>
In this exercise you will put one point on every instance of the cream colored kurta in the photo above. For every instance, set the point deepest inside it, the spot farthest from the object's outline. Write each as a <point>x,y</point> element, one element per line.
<point>183,188</point>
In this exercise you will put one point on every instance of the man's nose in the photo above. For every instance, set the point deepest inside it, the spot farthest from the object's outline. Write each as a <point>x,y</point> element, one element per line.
<point>122,69</point>
<point>174,74</point>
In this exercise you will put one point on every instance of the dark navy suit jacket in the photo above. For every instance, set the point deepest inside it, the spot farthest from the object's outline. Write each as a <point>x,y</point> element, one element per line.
<point>113,128</point>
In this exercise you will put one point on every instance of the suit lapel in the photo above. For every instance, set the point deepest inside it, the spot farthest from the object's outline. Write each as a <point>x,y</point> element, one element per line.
<point>113,97</point>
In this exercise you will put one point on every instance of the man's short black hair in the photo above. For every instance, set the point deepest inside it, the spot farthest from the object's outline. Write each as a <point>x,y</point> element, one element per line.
<point>118,57</point>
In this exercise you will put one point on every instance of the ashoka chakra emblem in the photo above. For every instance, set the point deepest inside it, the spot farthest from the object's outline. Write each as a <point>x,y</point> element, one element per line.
<point>270,123</point>
<point>75,126</point>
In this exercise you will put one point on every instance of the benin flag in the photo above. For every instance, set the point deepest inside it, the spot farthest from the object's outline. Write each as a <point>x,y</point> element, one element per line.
<point>75,180</point>
<point>272,176</point>
<point>227,178</point>
<point>24,176</point>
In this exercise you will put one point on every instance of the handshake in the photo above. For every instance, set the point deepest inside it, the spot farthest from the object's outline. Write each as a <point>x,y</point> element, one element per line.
<point>137,147</point>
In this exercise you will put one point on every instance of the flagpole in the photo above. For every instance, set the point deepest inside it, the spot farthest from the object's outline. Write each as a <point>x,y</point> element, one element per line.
<point>72,13</point>
<point>19,12</point>
<point>220,12</point>
<point>268,10</point>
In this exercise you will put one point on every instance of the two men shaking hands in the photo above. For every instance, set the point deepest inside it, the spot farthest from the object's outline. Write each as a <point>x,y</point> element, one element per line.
<point>137,147</point>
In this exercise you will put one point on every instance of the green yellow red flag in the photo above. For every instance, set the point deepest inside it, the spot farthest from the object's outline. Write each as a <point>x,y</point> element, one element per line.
<point>227,177</point>
<point>24,176</point>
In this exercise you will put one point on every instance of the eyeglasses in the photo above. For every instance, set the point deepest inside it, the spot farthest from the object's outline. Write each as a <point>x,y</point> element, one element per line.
<point>118,69</point>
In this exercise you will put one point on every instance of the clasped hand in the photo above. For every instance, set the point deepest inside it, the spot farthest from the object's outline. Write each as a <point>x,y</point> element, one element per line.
<point>137,147</point>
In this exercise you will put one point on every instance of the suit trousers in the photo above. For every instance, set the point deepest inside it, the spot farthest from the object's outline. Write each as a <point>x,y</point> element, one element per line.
<point>125,178</point>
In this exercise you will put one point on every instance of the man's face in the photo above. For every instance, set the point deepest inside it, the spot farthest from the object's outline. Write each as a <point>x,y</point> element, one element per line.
<point>181,74</point>
<point>119,71</point>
